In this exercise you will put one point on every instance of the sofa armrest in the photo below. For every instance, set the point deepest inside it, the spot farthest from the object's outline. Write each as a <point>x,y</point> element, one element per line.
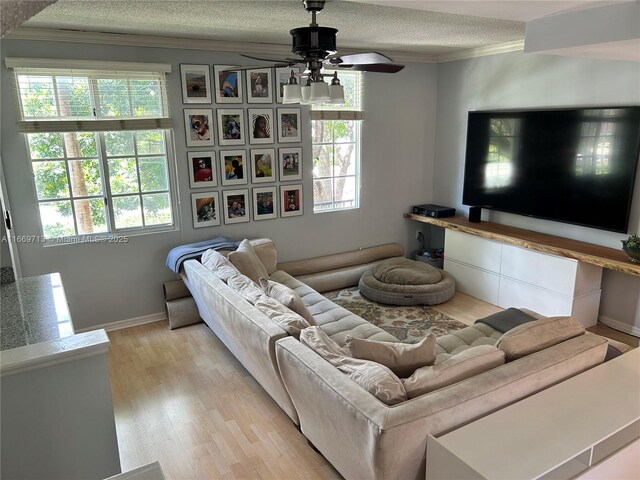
<point>340,260</point>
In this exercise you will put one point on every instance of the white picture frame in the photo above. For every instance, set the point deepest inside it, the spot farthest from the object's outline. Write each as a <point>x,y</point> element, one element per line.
<point>233,167</point>
<point>196,83</point>
<point>199,127</point>
<point>231,126</point>
<point>231,213</point>
<point>263,165</point>
<point>291,201</point>
<point>259,86</point>
<point>260,126</point>
<point>228,84</point>
<point>290,164</point>
<point>281,78</point>
<point>289,125</point>
<point>202,169</point>
<point>205,209</point>
<point>265,203</point>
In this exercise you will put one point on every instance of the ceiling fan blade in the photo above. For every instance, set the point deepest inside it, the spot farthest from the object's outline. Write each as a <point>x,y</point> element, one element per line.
<point>372,67</point>
<point>256,67</point>
<point>359,58</point>
<point>287,61</point>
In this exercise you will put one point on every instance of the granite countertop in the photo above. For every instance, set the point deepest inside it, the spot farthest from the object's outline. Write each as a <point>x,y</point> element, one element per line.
<point>33,310</point>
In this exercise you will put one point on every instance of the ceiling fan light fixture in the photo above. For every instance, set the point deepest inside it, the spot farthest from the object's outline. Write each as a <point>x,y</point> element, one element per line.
<point>306,93</point>
<point>319,92</point>
<point>336,91</point>
<point>291,92</point>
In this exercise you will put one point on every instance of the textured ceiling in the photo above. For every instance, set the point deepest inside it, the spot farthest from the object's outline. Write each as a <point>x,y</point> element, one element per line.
<point>360,25</point>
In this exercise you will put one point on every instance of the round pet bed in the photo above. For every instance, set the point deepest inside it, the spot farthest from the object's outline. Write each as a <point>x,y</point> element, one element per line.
<point>400,281</point>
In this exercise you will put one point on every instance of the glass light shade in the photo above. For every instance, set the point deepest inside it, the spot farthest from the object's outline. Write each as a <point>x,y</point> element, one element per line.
<point>306,92</point>
<point>337,94</point>
<point>319,93</point>
<point>291,94</point>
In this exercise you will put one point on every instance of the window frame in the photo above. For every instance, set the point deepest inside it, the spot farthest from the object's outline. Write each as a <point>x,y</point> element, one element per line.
<point>107,197</point>
<point>353,114</point>
<point>156,116</point>
<point>357,175</point>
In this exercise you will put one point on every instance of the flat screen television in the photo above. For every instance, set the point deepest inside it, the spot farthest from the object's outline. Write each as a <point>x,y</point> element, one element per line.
<point>574,165</point>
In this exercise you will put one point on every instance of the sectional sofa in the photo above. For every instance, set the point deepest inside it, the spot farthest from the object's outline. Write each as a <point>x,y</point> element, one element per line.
<point>360,435</point>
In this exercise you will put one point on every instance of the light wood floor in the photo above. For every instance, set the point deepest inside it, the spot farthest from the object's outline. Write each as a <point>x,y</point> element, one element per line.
<point>181,398</point>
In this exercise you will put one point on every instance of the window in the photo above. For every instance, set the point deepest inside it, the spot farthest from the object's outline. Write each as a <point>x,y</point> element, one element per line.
<point>336,149</point>
<point>98,145</point>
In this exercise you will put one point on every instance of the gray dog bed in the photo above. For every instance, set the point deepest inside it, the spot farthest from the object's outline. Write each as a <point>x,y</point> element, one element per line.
<point>400,281</point>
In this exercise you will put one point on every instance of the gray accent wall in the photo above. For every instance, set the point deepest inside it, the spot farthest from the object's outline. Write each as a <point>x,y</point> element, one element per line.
<point>106,283</point>
<point>518,80</point>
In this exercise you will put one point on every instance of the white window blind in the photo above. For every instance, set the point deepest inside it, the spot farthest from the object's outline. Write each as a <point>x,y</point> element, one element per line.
<point>75,97</point>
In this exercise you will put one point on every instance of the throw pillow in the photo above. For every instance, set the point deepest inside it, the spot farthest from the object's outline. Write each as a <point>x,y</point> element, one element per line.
<point>401,358</point>
<point>373,377</point>
<point>466,364</point>
<point>219,265</point>
<point>289,321</point>
<point>265,249</point>
<point>245,288</point>
<point>535,336</point>
<point>246,260</point>
<point>288,297</point>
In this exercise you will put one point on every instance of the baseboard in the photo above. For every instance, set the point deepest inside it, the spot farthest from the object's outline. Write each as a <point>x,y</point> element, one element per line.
<point>623,327</point>
<point>127,322</point>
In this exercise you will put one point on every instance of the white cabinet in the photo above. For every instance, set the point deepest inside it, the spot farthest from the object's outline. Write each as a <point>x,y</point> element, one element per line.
<point>510,276</point>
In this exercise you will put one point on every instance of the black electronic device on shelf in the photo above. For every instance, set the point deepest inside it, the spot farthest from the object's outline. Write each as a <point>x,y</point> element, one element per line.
<point>434,211</point>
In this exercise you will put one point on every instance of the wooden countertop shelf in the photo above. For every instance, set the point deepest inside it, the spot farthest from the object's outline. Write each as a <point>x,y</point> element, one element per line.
<point>585,252</point>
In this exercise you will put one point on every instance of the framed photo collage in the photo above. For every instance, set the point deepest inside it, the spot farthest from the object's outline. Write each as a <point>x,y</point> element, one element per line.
<point>253,145</point>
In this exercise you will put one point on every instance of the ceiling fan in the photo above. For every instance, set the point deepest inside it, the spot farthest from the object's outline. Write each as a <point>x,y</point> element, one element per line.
<point>316,48</point>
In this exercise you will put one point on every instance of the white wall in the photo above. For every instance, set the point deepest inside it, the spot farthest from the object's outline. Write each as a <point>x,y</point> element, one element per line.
<point>110,282</point>
<point>518,80</point>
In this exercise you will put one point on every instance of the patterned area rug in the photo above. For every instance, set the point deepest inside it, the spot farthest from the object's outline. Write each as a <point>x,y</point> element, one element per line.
<point>407,324</point>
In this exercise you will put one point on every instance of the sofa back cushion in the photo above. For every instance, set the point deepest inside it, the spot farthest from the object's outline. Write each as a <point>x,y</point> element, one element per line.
<point>245,287</point>
<point>218,264</point>
<point>534,336</point>
<point>373,377</point>
<point>466,364</point>
<point>246,260</point>
<point>289,321</point>
<point>265,249</point>
<point>288,297</point>
<point>401,358</point>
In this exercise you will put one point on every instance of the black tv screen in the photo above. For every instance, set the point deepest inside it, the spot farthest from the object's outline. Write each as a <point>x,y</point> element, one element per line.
<point>574,165</point>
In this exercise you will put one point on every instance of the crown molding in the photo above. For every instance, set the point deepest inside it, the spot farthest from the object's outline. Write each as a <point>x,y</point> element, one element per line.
<point>156,41</point>
<point>506,47</point>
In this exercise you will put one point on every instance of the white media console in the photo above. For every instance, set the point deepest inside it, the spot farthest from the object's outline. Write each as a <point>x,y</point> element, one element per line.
<point>510,276</point>
<point>514,267</point>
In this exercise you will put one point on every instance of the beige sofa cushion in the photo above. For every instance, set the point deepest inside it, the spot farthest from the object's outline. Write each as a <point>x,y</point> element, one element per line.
<point>289,321</point>
<point>466,364</point>
<point>401,358</point>
<point>246,260</point>
<point>288,297</point>
<point>336,321</point>
<point>245,287</point>
<point>265,249</point>
<point>219,265</point>
<point>373,377</point>
<point>534,336</point>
